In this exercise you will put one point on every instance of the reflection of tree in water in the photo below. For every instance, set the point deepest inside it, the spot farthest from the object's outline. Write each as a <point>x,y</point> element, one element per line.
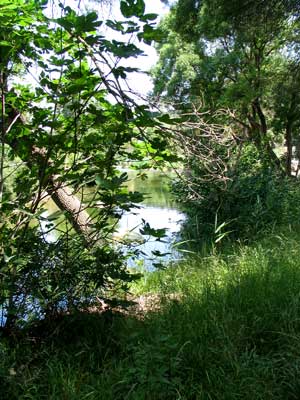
<point>159,210</point>
<point>156,188</point>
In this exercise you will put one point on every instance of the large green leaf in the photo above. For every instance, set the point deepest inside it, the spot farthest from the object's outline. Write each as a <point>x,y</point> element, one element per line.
<point>132,8</point>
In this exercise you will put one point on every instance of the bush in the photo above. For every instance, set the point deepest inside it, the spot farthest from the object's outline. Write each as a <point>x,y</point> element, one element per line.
<point>41,279</point>
<point>255,198</point>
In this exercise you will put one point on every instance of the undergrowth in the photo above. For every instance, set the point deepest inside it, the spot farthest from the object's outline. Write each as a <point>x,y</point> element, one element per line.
<point>231,332</point>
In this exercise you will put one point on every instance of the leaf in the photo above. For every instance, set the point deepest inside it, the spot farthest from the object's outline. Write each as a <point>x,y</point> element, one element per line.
<point>148,17</point>
<point>125,9</point>
<point>5,43</point>
<point>122,71</point>
<point>157,253</point>
<point>132,8</point>
<point>65,23</point>
<point>121,49</point>
<point>30,214</point>
<point>150,34</point>
<point>221,226</point>
<point>65,49</point>
<point>220,237</point>
<point>115,25</point>
<point>87,23</point>
<point>160,266</point>
<point>147,230</point>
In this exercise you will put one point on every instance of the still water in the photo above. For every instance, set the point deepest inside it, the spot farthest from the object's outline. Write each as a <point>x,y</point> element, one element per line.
<point>158,209</point>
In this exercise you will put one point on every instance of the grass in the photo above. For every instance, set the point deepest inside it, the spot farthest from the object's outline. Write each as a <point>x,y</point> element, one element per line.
<point>231,332</point>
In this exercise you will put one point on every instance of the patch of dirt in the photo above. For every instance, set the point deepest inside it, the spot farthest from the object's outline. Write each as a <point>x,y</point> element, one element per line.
<point>138,306</point>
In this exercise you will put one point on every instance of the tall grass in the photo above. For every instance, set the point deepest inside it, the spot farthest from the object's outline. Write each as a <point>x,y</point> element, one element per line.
<point>232,331</point>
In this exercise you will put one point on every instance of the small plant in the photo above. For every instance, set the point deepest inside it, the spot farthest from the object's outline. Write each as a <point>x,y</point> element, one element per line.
<point>219,232</point>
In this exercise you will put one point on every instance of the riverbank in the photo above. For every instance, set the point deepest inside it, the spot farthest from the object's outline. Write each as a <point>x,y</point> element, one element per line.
<point>232,331</point>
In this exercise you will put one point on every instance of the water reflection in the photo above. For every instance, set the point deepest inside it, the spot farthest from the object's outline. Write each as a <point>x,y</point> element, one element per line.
<point>156,188</point>
<point>158,218</point>
<point>160,211</point>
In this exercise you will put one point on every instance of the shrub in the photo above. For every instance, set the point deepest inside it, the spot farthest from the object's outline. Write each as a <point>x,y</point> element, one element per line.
<point>254,199</point>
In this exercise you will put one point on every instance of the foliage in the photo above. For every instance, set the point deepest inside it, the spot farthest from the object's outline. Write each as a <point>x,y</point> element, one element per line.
<point>232,68</point>
<point>253,199</point>
<point>44,279</point>
<point>66,130</point>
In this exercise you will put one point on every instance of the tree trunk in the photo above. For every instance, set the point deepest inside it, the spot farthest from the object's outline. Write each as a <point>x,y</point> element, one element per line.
<point>62,195</point>
<point>258,131</point>
<point>289,146</point>
<point>64,198</point>
<point>289,133</point>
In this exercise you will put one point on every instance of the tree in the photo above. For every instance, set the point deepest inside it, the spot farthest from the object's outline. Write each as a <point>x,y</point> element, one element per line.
<point>232,68</point>
<point>68,130</point>
<point>228,56</point>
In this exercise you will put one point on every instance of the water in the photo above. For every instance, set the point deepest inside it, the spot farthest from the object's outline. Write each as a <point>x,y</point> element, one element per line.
<point>158,209</point>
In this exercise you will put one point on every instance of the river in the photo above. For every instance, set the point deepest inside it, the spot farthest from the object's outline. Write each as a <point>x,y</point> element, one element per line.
<point>158,209</point>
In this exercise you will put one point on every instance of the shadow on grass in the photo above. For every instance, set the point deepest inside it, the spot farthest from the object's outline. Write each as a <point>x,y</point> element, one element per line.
<point>232,332</point>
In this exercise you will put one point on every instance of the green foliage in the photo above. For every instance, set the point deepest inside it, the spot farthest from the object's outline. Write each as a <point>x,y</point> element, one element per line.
<point>235,64</point>
<point>213,53</point>
<point>131,8</point>
<point>230,63</point>
<point>42,279</point>
<point>66,131</point>
<point>254,199</point>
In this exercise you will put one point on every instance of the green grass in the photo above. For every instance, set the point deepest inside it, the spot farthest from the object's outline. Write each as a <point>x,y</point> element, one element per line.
<point>232,332</point>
